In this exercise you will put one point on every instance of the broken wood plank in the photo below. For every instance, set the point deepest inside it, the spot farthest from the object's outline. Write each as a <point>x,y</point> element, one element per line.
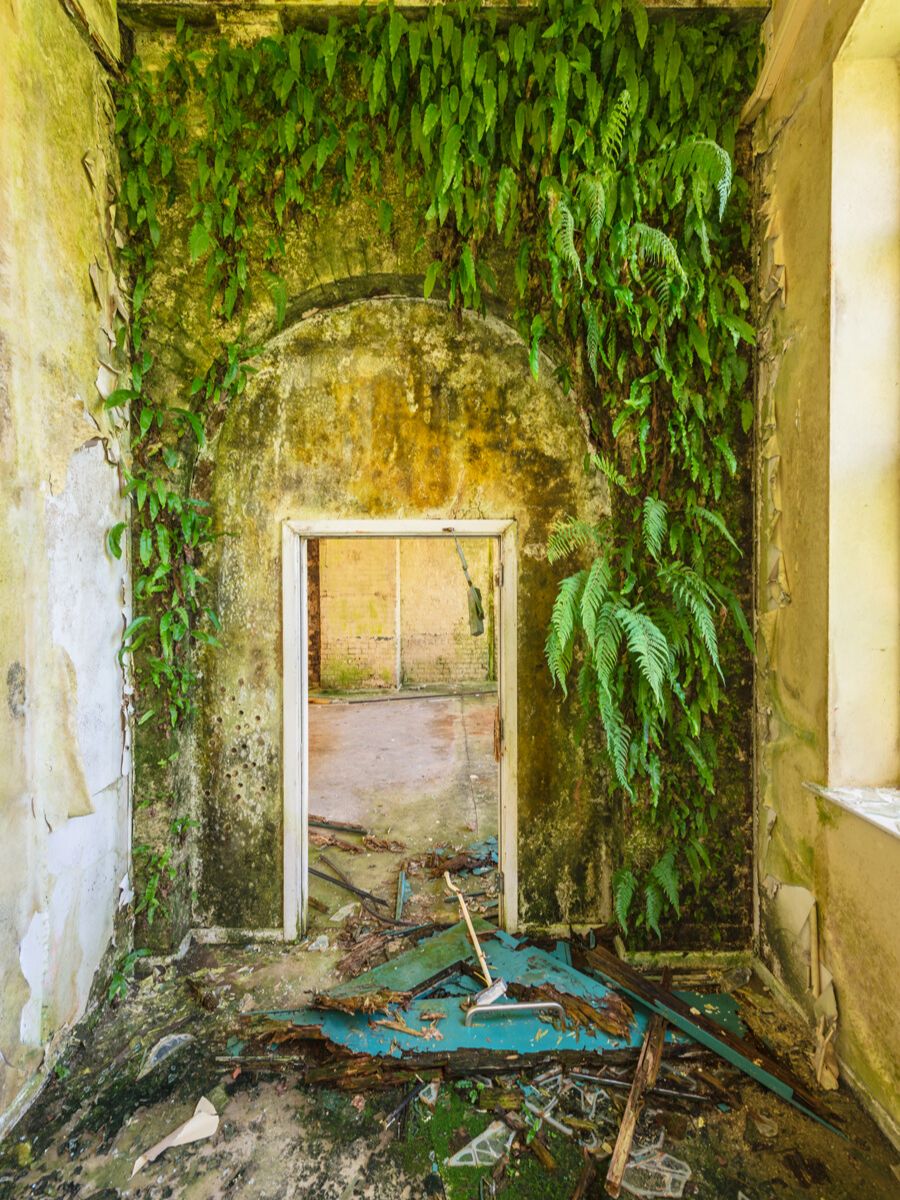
<point>645,1076</point>
<point>340,826</point>
<point>740,1053</point>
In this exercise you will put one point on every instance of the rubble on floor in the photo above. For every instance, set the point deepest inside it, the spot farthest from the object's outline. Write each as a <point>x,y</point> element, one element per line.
<point>385,1085</point>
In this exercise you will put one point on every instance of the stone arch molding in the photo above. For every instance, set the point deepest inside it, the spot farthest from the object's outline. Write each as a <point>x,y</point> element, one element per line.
<point>390,407</point>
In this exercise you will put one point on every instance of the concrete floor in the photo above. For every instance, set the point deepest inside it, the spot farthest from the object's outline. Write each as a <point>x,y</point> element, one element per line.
<point>419,770</point>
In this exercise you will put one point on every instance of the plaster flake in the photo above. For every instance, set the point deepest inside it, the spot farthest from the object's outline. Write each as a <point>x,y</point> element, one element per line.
<point>33,951</point>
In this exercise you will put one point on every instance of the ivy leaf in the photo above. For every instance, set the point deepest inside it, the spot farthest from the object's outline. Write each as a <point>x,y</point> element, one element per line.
<point>520,125</point>
<point>114,539</point>
<point>432,115</point>
<point>641,21</point>
<point>146,546</point>
<point>431,276</point>
<point>699,341</point>
<point>489,95</point>
<point>562,76</point>
<point>450,156</point>
<point>395,31</point>
<point>199,241</point>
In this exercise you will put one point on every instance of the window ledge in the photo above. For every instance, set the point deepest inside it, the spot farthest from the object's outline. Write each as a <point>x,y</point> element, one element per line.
<point>878,805</point>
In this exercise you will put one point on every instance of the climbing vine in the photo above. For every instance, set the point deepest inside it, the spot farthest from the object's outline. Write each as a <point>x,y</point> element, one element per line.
<point>592,151</point>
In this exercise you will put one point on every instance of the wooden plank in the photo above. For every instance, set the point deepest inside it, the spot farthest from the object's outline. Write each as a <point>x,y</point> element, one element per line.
<point>746,1057</point>
<point>645,1076</point>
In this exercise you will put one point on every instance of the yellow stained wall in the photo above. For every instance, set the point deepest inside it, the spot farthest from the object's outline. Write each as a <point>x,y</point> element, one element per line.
<point>828,616</point>
<point>64,787</point>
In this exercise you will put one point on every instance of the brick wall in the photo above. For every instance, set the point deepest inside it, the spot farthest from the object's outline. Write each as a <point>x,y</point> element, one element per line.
<point>357,620</point>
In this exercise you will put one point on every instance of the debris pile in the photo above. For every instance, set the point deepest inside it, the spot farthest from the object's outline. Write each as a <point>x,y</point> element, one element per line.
<point>541,1042</point>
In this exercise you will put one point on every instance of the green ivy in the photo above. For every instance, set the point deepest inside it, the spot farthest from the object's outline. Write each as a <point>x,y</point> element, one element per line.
<point>594,148</point>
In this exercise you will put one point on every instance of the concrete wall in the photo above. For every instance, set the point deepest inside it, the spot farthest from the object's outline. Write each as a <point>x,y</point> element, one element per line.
<point>382,408</point>
<point>371,589</point>
<point>64,794</point>
<point>828,519</point>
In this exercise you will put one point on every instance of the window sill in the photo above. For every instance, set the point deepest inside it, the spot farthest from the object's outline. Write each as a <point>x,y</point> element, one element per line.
<point>878,805</point>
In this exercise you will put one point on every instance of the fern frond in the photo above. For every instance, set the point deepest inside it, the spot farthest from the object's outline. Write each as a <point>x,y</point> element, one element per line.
<point>613,133</point>
<point>655,524</point>
<point>710,162</point>
<point>711,517</point>
<point>563,224</point>
<point>653,905</point>
<point>505,182</point>
<point>624,887</point>
<point>607,642</point>
<point>649,645</point>
<point>695,598</point>
<point>618,737</point>
<point>665,872</point>
<point>594,199</point>
<point>570,535</point>
<point>560,643</point>
<point>704,770</point>
<point>595,588</point>
<point>649,244</point>
<point>593,335</point>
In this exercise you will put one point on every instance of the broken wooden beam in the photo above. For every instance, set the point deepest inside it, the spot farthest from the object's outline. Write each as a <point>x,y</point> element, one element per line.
<point>740,1053</point>
<point>645,1077</point>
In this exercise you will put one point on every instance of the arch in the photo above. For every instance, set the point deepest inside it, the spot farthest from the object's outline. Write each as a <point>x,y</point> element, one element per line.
<point>389,408</point>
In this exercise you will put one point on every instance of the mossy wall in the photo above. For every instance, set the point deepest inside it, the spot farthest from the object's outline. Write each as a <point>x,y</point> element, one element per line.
<point>372,402</point>
<point>809,848</point>
<point>64,790</point>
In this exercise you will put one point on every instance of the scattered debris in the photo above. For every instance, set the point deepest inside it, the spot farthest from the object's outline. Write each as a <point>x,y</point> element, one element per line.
<point>344,914</point>
<point>320,943</point>
<point>331,839</point>
<point>203,1124</point>
<point>486,1149</point>
<point>380,844</point>
<point>163,1049</point>
<point>703,1029</point>
<point>652,1173</point>
<point>404,891</point>
<point>340,826</point>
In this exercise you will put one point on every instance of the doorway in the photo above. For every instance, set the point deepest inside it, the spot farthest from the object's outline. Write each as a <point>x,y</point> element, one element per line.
<point>399,726</point>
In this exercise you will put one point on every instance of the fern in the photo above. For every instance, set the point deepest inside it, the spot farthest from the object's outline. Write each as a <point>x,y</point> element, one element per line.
<point>709,162</point>
<point>608,634</point>
<point>624,887</point>
<point>695,598</point>
<point>594,199</point>
<point>563,224</point>
<point>595,590</point>
<point>654,902</point>
<point>655,524</point>
<point>505,183</point>
<point>649,646</point>
<point>618,737</point>
<point>561,637</point>
<point>711,517</point>
<point>614,127</point>
<point>649,244</point>
<point>665,872</point>
<point>570,535</point>
<point>593,335</point>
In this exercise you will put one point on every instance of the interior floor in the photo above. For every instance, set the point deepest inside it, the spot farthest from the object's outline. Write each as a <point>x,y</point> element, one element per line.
<point>418,774</point>
<point>280,1139</point>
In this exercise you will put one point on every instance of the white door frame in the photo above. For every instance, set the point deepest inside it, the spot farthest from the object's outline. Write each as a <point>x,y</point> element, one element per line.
<point>294,538</point>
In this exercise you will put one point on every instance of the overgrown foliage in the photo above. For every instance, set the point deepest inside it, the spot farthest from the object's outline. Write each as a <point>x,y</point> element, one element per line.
<point>594,149</point>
